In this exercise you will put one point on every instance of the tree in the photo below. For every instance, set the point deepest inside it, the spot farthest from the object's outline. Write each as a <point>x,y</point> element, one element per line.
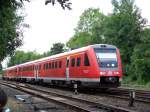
<point>88,19</point>
<point>64,3</point>
<point>21,57</point>
<point>57,48</point>
<point>10,32</point>
<point>140,60</point>
<point>85,32</point>
<point>80,40</point>
<point>0,67</point>
<point>9,27</point>
<point>124,27</point>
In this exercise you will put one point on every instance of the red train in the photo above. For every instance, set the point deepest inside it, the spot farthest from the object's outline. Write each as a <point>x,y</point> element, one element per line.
<point>96,65</point>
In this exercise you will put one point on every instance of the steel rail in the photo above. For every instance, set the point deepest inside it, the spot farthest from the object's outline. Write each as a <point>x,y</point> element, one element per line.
<point>140,96</point>
<point>87,106</point>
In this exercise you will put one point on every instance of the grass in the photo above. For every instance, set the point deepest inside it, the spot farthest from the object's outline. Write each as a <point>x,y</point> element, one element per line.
<point>134,84</point>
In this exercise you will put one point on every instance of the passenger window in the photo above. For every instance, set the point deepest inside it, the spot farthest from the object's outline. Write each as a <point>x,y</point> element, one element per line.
<point>56,64</point>
<point>39,67</point>
<point>52,64</point>
<point>60,64</point>
<point>44,67</point>
<point>78,61</point>
<point>73,62</point>
<point>49,65</point>
<point>86,60</point>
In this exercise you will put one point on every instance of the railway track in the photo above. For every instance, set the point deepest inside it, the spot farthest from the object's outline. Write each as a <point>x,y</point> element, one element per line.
<point>123,93</point>
<point>79,104</point>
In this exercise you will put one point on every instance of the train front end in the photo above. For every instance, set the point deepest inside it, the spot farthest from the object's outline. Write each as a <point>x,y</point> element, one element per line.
<point>109,64</point>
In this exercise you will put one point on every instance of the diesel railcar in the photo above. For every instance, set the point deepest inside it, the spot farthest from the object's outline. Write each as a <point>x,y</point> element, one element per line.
<point>95,66</point>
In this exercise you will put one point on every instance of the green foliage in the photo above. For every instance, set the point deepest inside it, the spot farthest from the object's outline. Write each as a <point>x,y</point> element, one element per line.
<point>140,66</point>
<point>146,36</point>
<point>10,32</point>
<point>87,31</point>
<point>140,70</point>
<point>88,20</point>
<point>9,27</point>
<point>0,68</point>
<point>45,54</point>
<point>22,57</point>
<point>80,40</point>
<point>57,48</point>
<point>124,27</point>
<point>64,3</point>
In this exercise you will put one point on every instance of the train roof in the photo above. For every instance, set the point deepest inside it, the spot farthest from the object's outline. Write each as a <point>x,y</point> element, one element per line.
<point>63,54</point>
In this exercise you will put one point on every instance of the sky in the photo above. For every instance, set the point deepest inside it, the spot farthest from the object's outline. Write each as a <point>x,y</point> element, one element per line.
<point>50,24</point>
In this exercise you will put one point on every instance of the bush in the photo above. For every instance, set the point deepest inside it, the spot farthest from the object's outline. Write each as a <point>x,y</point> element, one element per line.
<point>140,64</point>
<point>141,70</point>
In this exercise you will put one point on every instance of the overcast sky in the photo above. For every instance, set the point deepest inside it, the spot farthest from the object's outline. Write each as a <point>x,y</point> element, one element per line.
<point>50,24</point>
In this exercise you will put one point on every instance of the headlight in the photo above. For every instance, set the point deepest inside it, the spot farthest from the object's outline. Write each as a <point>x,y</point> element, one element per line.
<point>102,73</point>
<point>112,65</point>
<point>116,73</point>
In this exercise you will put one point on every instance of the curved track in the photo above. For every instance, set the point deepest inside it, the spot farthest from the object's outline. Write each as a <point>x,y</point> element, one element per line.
<point>79,104</point>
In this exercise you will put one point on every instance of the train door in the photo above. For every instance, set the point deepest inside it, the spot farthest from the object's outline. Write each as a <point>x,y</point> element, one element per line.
<point>67,68</point>
<point>36,71</point>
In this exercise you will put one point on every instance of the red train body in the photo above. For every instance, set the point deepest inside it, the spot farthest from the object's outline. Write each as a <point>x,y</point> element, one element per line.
<point>95,65</point>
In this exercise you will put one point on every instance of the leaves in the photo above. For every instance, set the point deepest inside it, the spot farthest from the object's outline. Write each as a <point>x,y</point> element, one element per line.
<point>88,29</point>
<point>57,48</point>
<point>79,40</point>
<point>9,28</point>
<point>11,33</point>
<point>140,66</point>
<point>22,57</point>
<point>64,3</point>
<point>124,27</point>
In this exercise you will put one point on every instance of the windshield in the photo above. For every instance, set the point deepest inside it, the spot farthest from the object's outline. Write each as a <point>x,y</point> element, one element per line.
<point>107,58</point>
